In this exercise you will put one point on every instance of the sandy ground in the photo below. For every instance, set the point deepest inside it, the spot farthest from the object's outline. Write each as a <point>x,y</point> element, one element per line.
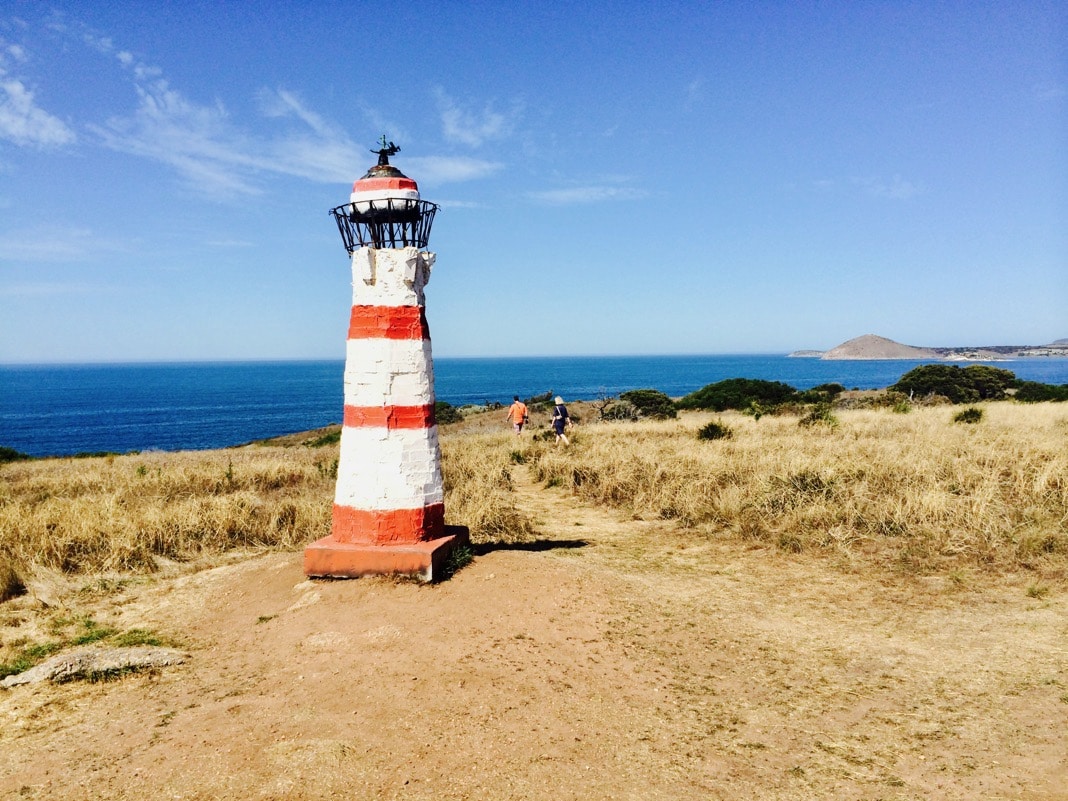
<point>611,659</point>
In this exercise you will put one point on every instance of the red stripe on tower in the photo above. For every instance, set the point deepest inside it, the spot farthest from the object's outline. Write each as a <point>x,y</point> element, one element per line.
<point>388,322</point>
<point>390,417</point>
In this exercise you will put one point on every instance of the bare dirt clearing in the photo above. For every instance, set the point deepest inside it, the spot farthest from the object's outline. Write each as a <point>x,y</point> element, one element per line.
<point>611,659</point>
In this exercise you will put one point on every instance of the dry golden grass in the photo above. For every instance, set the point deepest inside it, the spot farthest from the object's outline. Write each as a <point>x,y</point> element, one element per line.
<point>909,491</point>
<point>135,513</point>
<point>914,492</point>
<point>478,488</point>
<point>129,513</point>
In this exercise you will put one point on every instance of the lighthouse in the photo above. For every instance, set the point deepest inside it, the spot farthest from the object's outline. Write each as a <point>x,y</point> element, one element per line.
<point>389,509</point>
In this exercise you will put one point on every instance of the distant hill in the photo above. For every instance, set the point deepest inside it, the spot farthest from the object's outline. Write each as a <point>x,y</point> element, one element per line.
<point>871,346</point>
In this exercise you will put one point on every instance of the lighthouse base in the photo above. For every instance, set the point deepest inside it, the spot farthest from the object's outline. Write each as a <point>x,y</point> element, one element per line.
<point>328,558</point>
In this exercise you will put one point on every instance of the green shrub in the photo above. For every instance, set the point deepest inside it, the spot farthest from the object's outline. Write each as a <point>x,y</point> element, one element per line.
<point>715,430</point>
<point>12,455</point>
<point>969,415</point>
<point>540,402</point>
<point>824,393</point>
<point>991,383</point>
<point>819,415</point>
<point>620,410</point>
<point>445,413</point>
<point>739,393</point>
<point>960,385</point>
<point>901,407</point>
<point>327,438</point>
<point>650,403</point>
<point>1035,392</point>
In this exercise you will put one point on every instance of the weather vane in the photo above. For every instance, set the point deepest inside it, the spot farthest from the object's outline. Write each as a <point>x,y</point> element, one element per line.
<point>388,149</point>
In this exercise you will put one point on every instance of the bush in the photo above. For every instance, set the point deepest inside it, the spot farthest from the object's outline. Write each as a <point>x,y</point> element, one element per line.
<point>820,415</point>
<point>824,393</point>
<point>650,403</point>
<point>715,430</point>
<point>1034,392</point>
<point>620,410</point>
<point>12,455</point>
<point>445,413</point>
<point>331,437</point>
<point>739,393</point>
<point>540,402</point>
<point>960,385</point>
<point>969,415</point>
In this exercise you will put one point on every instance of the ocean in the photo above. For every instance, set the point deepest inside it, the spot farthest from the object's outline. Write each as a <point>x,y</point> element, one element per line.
<point>60,410</point>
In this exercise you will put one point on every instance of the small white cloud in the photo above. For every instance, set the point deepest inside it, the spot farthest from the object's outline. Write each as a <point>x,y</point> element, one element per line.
<point>460,204</point>
<point>45,289</point>
<point>51,244</point>
<point>229,243</point>
<point>25,123</point>
<point>283,103</point>
<point>694,93</point>
<point>586,194</point>
<point>449,169</point>
<point>896,188</point>
<point>474,128</point>
<point>1048,91</point>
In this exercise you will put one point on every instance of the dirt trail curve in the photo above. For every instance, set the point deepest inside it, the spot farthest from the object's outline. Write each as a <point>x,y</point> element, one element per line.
<point>612,659</point>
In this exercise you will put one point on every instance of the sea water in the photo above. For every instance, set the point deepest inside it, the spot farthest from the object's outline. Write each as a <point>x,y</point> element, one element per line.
<point>69,409</point>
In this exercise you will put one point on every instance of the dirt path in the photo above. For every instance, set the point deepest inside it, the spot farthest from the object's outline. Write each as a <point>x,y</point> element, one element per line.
<point>626,661</point>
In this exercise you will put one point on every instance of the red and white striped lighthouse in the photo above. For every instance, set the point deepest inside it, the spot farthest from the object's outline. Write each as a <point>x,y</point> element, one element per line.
<point>389,510</point>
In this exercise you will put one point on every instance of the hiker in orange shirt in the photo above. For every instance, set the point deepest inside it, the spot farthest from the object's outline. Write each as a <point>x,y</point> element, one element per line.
<point>517,414</point>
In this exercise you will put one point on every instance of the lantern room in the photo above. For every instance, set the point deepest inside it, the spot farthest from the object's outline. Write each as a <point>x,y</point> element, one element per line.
<point>384,209</point>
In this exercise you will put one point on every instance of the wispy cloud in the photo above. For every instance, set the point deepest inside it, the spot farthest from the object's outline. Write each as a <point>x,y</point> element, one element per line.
<point>473,128</point>
<point>694,94</point>
<point>47,288</point>
<point>897,188</point>
<point>1045,92</point>
<point>55,244</point>
<point>586,194</point>
<point>230,243</point>
<point>215,154</point>
<point>203,144</point>
<point>22,120</point>
<point>448,169</point>
<point>197,141</point>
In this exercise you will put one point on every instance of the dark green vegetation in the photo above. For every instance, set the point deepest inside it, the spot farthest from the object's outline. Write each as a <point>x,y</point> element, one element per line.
<point>540,402</point>
<point>715,430</point>
<point>925,384</point>
<point>1034,392</point>
<point>650,403</point>
<point>969,384</point>
<point>446,413</point>
<point>819,415</point>
<point>328,438</point>
<point>969,415</point>
<point>12,455</point>
<point>739,393</point>
<point>824,393</point>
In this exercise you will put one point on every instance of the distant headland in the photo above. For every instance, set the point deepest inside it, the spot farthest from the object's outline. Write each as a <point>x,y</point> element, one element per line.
<point>871,346</point>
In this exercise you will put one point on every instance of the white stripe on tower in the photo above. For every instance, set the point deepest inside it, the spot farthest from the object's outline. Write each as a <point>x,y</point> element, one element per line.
<point>389,486</point>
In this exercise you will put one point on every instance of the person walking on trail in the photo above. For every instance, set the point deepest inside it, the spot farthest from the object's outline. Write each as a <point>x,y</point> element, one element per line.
<point>517,414</point>
<point>561,420</point>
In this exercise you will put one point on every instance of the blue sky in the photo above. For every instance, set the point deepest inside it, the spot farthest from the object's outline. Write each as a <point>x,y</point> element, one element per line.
<point>614,178</point>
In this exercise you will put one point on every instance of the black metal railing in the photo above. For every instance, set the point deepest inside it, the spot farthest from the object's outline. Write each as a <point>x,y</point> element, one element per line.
<point>387,223</point>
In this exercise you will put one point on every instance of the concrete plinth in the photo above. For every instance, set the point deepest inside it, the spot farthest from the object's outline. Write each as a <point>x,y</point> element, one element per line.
<point>425,560</point>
